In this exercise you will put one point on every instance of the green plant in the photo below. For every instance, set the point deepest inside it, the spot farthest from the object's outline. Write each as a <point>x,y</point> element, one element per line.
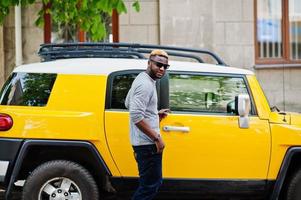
<point>85,14</point>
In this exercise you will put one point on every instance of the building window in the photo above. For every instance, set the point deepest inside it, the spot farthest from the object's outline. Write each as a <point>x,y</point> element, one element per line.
<point>278,31</point>
<point>55,33</point>
<point>295,29</point>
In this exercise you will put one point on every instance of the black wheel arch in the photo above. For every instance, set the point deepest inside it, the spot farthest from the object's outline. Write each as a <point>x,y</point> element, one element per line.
<point>291,162</point>
<point>35,152</point>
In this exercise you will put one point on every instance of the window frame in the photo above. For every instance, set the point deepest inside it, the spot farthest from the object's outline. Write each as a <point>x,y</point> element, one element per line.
<point>285,38</point>
<point>253,111</point>
<point>109,88</point>
<point>81,33</point>
<point>8,83</point>
<point>160,85</point>
<point>110,80</point>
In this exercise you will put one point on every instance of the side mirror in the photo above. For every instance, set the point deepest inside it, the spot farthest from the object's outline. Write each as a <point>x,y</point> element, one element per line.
<point>242,107</point>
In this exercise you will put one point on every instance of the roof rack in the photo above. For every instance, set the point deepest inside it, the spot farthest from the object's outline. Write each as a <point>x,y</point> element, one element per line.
<point>50,52</point>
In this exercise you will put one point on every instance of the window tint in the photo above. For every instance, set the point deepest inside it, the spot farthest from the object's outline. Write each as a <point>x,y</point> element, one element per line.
<point>27,89</point>
<point>121,86</point>
<point>203,93</point>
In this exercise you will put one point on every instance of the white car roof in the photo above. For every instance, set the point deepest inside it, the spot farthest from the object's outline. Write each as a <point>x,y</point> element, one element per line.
<point>105,66</point>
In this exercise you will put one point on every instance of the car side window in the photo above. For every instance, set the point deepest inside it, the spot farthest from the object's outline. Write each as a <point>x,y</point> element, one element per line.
<point>120,87</point>
<point>204,93</point>
<point>27,89</point>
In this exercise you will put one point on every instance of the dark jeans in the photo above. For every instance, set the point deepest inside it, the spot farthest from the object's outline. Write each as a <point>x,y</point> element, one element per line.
<point>150,171</point>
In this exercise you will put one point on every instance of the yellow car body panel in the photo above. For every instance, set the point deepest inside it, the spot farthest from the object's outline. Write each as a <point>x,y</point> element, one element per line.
<point>118,138</point>
<point>285,128</point>
<point>286,133</point>
<point>262,106</point>
<point>295,118</point>
<point>215,147</point>
<point>64,117</point>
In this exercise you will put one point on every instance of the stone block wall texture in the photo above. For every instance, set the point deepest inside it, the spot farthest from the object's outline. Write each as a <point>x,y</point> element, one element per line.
<point>9,43</point>
<point>32,37</point>
<point>234,32</point>
<point>140,27</point>
<point>1,57</point>
<point>227,28</point>
<point>186,23</point>
<point>223,26</point>
<point>282,87</point>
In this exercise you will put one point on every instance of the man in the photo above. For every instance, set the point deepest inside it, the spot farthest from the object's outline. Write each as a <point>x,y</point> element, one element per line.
<point>145,136</point>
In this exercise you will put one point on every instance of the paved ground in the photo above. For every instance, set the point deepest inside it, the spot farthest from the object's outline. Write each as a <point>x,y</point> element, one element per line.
<point>18,197</point>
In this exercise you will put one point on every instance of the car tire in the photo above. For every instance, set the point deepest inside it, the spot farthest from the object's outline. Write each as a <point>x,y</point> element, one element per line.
<point>294,187</point>
<point>60,179</point>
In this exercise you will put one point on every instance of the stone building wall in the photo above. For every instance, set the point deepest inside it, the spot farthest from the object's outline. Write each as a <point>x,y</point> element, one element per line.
<point>223,26</point>
<point>233,32</point>
<point>32,37</point>
<point>282,86</point>
<point>9,43</point>
<point>140,27</point>
<point>217,25</point>
<point>186,23</point>
<point>227,28</point>
<point>1,56</point>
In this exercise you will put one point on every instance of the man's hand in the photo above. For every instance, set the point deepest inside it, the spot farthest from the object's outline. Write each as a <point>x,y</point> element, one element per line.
<point>163,113</point>
<point>146,129</point>
<point>160,145</point>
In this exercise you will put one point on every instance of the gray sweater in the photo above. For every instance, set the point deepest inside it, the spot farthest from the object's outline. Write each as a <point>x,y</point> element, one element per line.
<point>141,101</point>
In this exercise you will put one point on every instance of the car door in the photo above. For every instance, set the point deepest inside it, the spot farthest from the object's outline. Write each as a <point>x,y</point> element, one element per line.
<point>202,135</point>
<point>117,122</point>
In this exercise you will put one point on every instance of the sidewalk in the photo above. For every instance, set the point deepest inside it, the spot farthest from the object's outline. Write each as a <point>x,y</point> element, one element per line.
<point>16,196</point>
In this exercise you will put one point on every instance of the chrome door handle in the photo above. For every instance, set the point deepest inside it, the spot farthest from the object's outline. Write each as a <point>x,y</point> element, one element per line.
<point>183,129</point>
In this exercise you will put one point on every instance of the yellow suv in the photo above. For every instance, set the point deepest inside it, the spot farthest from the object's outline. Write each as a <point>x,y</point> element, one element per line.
<point>64,129</point>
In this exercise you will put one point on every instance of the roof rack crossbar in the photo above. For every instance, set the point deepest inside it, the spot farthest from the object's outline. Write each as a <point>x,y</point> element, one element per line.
<point>170,53</point>
<point>89,54</point>
<point>80,50</point>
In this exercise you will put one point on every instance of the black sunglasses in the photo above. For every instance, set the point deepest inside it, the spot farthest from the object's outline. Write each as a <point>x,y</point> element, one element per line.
<point>160,64</point>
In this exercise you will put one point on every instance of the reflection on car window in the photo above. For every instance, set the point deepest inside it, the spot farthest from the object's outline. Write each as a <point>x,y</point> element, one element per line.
<point>27,89</point>
<point>204,93</point>
<point>121,86</point>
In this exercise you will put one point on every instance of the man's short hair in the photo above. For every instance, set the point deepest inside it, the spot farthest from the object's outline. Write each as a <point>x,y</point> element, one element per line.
<point>159,52</point>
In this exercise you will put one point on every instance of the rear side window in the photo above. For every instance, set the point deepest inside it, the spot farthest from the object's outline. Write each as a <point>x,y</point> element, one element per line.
<point>27,89</point>
<point>120,87</point>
